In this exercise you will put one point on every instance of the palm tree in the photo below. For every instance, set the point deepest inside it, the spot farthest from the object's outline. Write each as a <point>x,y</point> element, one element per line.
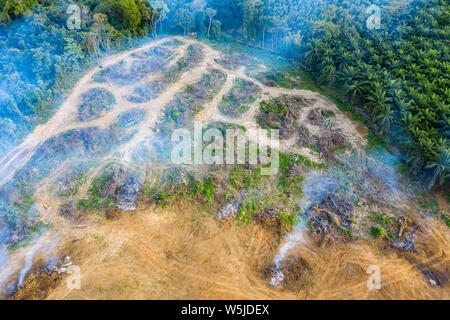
<point>312,50</point>
<point>377,98</point>
<point>385,117</point>
<point>441,167</point>
<point>356,88</point>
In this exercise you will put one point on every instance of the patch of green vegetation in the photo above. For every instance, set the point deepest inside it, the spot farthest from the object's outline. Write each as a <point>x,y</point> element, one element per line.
<point>429,202</point>
<point>289,180</point>
<point>377,232</point>
<point>232,108</point>
<point>175,184</point>
<point>34,231</point>
<point>315,149</point>
<point>282,78</point>
<point>375,141</point>
<point>247,212</point>
<point>160,196</point>
<point>205,188</point>
<point>79,180</point>
<point>257,202</point>
<point>446,219</point>
<point>98,198</point>
<point>380,218</point>
<point>327,114</point>
<point>347,232</point>
<point>245,178</point>
<point>224,126</point>
<point>339,149</point>
<point>289,219</point>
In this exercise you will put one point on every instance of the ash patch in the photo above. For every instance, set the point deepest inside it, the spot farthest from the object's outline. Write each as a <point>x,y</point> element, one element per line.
<point>232,209</point>
<point>435,278</point>
<point>408,243</point>
<point>277,277</point>
<point>333,211</point>
<point>127,193</point>
<point>124,187</point>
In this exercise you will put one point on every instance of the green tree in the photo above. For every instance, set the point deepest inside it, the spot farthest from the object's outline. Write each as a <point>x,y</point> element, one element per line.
<point>385,117</point>
<point>11,9</point>
<point>440,166</point>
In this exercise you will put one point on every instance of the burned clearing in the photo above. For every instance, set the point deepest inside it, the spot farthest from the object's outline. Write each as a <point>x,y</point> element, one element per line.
<point>181,111</point>
<point>330,141</point>
<point>232,60</point>
<point>131,72</point>
<point>194,54</point>
<point>281,113</point>
<point>115,189</point>
<point>154,61</point>
<point>117,74</point>
<point>236,102</point>
<point>87,143</point>
<point>320,118</point>
<point>146,92</point>
<point>273,78</point>
<point>131,117</point>
<point>94,103</point>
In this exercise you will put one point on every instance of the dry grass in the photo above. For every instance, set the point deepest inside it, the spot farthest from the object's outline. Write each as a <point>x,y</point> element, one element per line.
<point>185,252</point>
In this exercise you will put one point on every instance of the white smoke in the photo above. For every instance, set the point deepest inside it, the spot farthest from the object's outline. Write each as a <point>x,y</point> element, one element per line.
<point>315,187</point>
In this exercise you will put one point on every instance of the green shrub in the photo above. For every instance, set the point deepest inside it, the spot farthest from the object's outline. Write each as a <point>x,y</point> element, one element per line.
<point>377,232</point>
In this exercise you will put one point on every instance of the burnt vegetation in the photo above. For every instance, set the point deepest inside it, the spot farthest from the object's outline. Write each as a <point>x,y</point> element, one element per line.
<point>237,101</point>
<point>94,103</point>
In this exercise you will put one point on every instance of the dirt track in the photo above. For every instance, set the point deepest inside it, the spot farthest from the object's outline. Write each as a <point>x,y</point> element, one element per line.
<point>66,117</point>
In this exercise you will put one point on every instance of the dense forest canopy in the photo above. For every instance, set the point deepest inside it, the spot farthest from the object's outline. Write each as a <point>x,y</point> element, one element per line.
<point>398,74</point>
